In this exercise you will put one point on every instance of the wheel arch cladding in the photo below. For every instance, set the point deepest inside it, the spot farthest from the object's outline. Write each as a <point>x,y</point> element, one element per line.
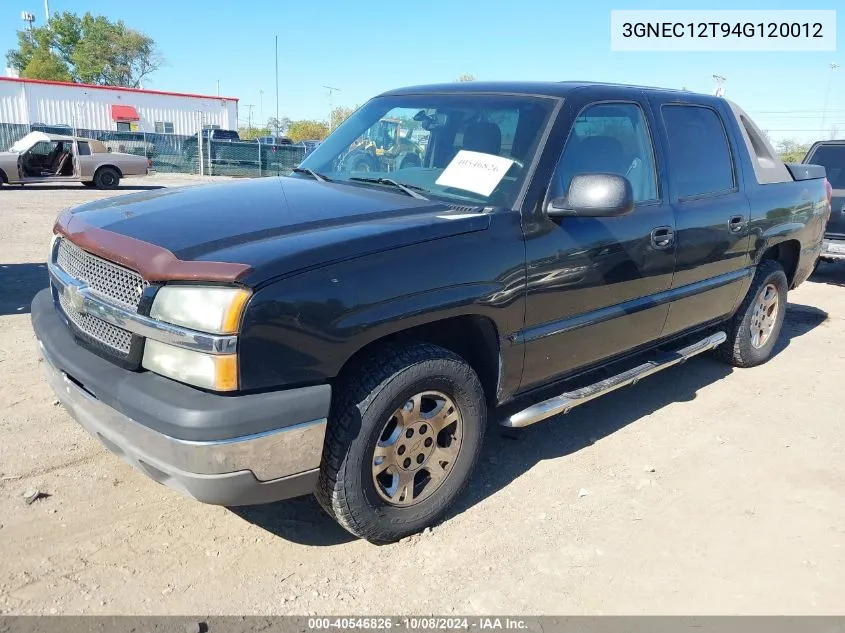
<point>473,337</point>
<point>3,177</point>
<point>787,254</point>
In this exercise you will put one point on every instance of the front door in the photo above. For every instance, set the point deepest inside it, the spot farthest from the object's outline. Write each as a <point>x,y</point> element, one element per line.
<point>48,161</point>
<point>594,284</point>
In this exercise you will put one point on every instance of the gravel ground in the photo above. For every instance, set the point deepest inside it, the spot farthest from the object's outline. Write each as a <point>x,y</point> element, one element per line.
<point>702,490</point>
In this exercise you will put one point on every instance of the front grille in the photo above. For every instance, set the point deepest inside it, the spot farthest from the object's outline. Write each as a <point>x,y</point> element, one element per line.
<point>105,334</point>
<point>115,283</point>
<point>110,281</point>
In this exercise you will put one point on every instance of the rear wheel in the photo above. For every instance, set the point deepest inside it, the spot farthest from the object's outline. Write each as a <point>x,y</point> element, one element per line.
<point>406,429</point>
<point>106,178</point>
<point>754,330</point>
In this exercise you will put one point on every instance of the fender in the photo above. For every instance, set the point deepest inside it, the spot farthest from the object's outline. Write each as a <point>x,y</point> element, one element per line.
<point>303,328</point>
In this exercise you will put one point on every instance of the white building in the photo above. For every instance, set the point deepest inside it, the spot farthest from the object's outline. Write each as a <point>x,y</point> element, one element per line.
<point>29,101</point>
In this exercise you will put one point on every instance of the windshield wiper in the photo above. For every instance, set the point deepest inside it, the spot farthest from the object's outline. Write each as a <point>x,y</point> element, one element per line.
<point>312,173</point>
<point>408,189</point>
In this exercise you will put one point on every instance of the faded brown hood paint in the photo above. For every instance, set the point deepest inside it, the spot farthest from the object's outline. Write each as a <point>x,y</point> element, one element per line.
<point>154,263</point>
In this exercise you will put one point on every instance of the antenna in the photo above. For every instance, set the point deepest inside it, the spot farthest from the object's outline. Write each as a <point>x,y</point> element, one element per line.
<point>28,17</point>
<point>720,86</point>
<point>331,108</point>
<point>832,67</point>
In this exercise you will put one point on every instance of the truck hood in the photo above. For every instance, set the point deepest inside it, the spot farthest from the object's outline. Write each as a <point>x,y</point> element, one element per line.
<point>257,229</point>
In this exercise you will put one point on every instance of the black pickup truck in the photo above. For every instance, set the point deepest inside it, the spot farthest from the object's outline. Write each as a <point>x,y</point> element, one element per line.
<point>349,333</point>
<point>831,156</point>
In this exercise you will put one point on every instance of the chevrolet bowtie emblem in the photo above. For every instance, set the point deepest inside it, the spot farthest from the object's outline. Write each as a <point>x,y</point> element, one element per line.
<point>75,298</point>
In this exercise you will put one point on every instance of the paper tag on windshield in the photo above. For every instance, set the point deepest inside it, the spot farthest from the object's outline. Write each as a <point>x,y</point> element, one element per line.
<point>475,171</point>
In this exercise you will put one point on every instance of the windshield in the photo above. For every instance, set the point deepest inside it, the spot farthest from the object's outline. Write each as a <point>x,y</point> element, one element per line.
<point>461,147</point>
<point>28,141</point>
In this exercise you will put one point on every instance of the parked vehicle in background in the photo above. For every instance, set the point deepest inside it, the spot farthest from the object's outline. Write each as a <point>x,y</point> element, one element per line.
<point>831,156</point>
<point>275,140</point>
<point>40,158</point>
<point>190,145</point>
<point>309,145</point>
<point>345,332</point>
<point>385,146</point>
<point>129,143</point>
<point>59,128</point>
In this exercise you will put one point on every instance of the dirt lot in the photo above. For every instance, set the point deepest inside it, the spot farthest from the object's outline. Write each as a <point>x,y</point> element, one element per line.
<point>701,490</point>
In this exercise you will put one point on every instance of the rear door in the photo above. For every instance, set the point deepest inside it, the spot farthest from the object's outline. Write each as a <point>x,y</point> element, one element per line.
<point>831,156</point>
<point>711,212</point>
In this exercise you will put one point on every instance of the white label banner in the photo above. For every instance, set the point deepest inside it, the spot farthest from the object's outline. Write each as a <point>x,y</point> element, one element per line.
<point>475,171</point>
<point>723,30</point>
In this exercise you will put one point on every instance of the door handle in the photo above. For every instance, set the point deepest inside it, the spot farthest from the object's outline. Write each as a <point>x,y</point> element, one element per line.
<point>662,237</point>
<point>736,223</point>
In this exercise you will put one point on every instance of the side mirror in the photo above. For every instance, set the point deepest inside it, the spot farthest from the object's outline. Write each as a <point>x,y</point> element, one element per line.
<point>594,196</point>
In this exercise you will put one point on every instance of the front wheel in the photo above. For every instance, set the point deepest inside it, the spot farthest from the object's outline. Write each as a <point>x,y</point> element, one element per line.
<point>406,429</point>
<point>754,330</point>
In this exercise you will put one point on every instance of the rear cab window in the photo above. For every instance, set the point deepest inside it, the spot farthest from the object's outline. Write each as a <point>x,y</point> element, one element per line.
<point>83,148</point>
<point>700,157</point>
<point>832,158</point>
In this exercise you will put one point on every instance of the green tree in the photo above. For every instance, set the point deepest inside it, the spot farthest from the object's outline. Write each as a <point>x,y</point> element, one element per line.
<point>340,114</point>
<point>280,125</point>
<point>85,49</point>
<point>792,151</point>
<point>250,134</point>
<point>307,130</point>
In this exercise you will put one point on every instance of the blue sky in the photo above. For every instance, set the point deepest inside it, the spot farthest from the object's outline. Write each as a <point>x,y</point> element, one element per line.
<point>363,48</point>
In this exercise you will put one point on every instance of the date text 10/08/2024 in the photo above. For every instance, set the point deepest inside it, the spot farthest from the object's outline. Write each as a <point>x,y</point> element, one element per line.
<point>418,623</point>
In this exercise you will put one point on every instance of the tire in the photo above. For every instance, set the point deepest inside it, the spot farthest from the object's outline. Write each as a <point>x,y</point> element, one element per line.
<point>106,178</point>
<point>410,161</point>
<point>365,402</point>
<point>742,348</point>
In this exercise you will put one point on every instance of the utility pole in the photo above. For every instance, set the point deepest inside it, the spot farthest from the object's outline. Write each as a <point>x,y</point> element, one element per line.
<point>277,85</point>
<point>261,107</point>
<point>28,17</point>
<point>249,119</point>
<point>832,67</point>
<point>720,86</point>
<point>218,87</point>
<point>46,11</point>
<point>331,108</point>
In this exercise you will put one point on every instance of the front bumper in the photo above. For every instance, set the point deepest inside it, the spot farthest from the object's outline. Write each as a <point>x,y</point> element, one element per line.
<point>832,249</point>
<point>257,467</point>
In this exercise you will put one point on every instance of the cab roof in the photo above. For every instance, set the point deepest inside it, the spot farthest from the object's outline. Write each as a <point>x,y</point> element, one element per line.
<point>558,89</point>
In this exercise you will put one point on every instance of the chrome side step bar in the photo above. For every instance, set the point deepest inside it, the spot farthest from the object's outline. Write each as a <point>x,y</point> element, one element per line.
<point>566,401</point>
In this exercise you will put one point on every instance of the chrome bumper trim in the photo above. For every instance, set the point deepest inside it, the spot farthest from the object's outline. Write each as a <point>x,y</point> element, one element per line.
<point>138,323</point>
<point>826,254</point>
<point>270,455</point>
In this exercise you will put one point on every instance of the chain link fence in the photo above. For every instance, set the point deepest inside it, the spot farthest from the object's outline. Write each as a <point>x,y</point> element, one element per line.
<point>184,154</point>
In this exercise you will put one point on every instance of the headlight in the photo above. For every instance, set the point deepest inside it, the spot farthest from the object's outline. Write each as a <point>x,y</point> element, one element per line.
<point>203,308</point>
<point>218,372</point>
<point>210,309</point>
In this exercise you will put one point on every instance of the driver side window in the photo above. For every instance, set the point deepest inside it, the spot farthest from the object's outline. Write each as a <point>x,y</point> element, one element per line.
<point>42,148</point>
<point>610,138</point>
